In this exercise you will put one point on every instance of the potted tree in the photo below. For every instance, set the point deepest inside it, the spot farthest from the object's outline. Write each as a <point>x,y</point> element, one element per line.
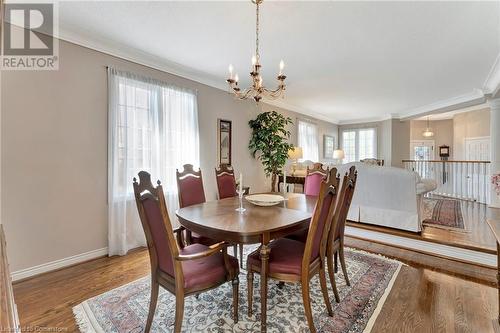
<point>269,142</point>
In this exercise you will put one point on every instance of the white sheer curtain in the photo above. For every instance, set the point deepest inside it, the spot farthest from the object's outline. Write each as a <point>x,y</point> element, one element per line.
<point>308,140</point>
<point>153,127</point>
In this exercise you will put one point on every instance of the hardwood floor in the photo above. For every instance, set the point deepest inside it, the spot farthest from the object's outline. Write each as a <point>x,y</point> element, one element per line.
<point>422,300</point>
<point>477,235</point>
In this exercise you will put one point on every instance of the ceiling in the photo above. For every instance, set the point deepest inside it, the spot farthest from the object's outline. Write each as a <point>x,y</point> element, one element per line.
<point>345,61</point>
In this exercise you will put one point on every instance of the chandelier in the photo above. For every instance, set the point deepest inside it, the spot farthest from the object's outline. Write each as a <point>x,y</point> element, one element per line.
<point>257,91</point>
<point>428,131</point>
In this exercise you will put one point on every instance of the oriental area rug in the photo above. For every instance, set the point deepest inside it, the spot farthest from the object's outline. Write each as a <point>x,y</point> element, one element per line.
<point>125,308</point>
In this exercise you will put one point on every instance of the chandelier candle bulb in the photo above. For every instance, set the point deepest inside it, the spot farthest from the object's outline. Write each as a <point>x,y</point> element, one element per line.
<point>282,66</point>
<point>231,71</point>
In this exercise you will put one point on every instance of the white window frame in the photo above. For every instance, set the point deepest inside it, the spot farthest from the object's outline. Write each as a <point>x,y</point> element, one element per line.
<point>357,144</point>
<point>311,154</point>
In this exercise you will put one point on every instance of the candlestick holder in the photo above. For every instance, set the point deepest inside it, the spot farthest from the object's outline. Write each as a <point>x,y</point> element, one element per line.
<point>240,196</point>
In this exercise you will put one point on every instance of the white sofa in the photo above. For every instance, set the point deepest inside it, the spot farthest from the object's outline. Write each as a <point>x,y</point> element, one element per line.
<point>388,196</point>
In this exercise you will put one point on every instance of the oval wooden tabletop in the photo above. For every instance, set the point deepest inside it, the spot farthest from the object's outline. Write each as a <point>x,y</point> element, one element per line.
<point>219,219</point>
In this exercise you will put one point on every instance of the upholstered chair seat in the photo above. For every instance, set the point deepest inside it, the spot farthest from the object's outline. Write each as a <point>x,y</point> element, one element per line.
<point>285,257</point>
<point>204,272</point>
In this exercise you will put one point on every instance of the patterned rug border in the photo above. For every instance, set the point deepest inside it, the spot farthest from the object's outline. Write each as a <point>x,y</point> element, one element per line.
<point>87,323</point>
<point>464,217</point>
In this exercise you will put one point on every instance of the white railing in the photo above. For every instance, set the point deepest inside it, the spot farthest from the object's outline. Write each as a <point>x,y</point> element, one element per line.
<point>467,180</point>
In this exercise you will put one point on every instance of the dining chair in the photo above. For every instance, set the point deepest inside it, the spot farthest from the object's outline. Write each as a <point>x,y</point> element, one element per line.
<point>183,271</point>
<point>314,177</point>
<point>294,261</point>
<point>226,187</point>
<point>226,183</point>
<point>191,192</point>
<point>335,246</point>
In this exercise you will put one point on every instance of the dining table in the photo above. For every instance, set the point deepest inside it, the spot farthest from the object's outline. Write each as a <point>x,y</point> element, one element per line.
<point>221,221</point>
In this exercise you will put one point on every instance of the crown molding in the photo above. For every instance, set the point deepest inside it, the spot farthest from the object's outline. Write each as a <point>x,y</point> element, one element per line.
<point>370,119</point>
<point>476,97</point>
<point>134,55</point>
<point>146,59</point>
<point>491,85</point>
<point>303,111</point>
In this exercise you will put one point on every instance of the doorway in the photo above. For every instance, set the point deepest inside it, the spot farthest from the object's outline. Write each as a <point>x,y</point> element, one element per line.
<point>423,150</point>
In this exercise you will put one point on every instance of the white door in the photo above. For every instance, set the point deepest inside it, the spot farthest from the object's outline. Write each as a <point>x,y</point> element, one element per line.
<point>477,149</point>
<point>477,174</point>
<point>423,150</point>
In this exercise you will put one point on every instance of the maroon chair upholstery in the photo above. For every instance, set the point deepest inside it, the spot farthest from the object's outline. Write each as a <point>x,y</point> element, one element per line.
<point>226,184</point>
<point>294,261</point>
<point>190,186</point>
<point>191,192</point>
<point>313,180</point>
<point>182,271</point>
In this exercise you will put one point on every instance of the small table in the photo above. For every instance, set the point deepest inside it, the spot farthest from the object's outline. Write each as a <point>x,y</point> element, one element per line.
<point>219,220</point>
<point>292,180</point>
<point>493,220</point>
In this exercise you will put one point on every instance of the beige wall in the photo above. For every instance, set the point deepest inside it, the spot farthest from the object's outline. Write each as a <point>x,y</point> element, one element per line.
<point>54,152</point>
<point>472,124</point>
<point>400,147</point>
<point>443,133</point>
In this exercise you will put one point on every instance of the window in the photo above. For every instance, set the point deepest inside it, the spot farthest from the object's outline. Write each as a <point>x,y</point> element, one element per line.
<point>359,144</point>
<point>153,127</point>
<point>308,140</point>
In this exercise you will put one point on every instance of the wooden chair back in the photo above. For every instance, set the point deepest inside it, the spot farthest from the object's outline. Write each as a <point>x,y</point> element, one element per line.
<point>373,161</point>
<point>190,186</point>
<point>314,177</point>
<point>320,224</point>
<point>344,203</point>
<point>226,183</point>
<point>153,213</point>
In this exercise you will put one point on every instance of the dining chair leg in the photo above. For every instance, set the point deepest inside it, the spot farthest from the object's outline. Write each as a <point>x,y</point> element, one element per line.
<point>235,250</point>
<point>324,290</point>
<point>241,255</point>
<point>250,290</point>
<point>342,263</point>
<point>307,305</point>
<point>235,282</point>
<point>152,304</point>
<point>336,261</point>
<point>179,312</point>
<point>331,274</point>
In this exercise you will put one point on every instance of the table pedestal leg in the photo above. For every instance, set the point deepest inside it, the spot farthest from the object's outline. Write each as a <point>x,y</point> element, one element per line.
<point>264,258</point>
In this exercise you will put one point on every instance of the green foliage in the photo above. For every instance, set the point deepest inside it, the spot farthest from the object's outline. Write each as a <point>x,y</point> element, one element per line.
<point>269,141</point>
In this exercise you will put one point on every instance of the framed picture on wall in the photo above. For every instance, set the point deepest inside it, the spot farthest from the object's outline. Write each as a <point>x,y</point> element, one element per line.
<point>328,146</point>
<point>224,142</point>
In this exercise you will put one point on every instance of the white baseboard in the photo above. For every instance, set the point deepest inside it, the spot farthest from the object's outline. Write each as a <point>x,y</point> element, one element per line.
<point>57,264</point>
<point>425,246</point>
